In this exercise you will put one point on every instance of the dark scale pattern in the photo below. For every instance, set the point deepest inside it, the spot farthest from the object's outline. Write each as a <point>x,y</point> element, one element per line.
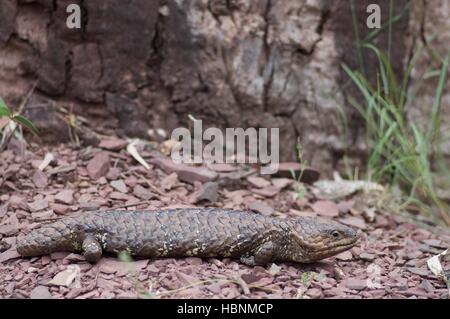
<point>202,232</point>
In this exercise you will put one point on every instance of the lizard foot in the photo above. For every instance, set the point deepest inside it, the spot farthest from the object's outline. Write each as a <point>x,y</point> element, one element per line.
<point>262,256</point>
<point>92,250</point>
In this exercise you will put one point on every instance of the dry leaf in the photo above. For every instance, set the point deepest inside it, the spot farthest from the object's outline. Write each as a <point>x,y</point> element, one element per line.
<point>274,269</point>
<point>166,147</point>
<point>332,190</point>
<point>47,160</point>
<point>369,214</point>
<point>67,277</point>
<point>131,148</point>
<point>434,264</point>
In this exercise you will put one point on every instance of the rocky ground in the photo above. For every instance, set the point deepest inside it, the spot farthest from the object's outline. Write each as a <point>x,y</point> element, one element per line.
<point>389,262</point>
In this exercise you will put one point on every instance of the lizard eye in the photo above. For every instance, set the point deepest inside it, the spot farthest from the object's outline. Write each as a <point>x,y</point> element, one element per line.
<point>335,234</point>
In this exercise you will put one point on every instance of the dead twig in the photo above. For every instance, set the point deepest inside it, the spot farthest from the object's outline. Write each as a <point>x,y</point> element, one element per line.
<point>243,285</point>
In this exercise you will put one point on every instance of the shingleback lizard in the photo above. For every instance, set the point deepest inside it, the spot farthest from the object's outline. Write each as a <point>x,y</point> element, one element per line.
<point>202,232</point>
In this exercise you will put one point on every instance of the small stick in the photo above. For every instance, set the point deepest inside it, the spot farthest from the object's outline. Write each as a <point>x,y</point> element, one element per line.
<point>243,285</point>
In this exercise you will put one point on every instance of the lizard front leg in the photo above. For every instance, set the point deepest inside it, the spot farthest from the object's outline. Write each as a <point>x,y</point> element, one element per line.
<point>263,254</point>
<point>92,250</point>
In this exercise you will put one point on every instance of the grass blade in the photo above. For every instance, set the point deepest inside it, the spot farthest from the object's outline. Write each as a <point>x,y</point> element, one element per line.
<point>433,127</point>
<point>4,110</point>
<point>26,122</point>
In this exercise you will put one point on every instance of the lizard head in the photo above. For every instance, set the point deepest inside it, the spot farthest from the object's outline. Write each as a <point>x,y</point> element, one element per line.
<point>313,238</point>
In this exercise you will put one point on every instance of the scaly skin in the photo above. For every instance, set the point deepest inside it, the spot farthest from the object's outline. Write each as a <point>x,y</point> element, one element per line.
<point>203,232</point>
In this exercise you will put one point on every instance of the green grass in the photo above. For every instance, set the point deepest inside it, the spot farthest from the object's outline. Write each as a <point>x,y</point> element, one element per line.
<point>401,152</point>
<point>299,188</point>
<point>18,120</point>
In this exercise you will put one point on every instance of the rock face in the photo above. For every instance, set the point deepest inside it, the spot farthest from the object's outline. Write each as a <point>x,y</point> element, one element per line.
<point>148,64</point>
<point>429,25</point>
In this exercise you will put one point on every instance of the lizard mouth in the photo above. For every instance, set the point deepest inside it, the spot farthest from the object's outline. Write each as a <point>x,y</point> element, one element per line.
<point>319,252</point>
<point>336,248</point>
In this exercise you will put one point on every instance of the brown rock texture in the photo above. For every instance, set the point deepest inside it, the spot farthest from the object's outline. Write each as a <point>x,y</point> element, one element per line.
<point>149,64</point>
<point>430,28</point>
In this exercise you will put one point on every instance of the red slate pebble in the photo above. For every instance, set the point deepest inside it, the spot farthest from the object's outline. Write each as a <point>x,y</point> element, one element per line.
<point>399,249</point>
<point>326,208</point>
<point>99,165</point>
<point>356,283</point>
<point>113,144</point>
